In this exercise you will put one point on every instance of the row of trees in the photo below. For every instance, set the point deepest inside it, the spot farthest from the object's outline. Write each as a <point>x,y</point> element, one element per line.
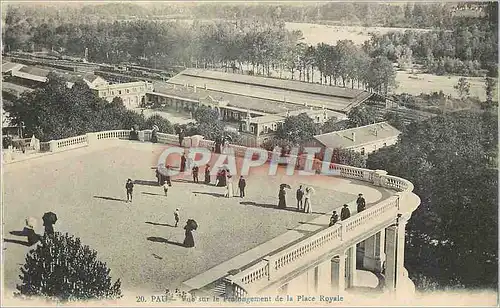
<point>256,46</point>
<point>55,112</point>
<point>466,50</point>
<point>413,15</point>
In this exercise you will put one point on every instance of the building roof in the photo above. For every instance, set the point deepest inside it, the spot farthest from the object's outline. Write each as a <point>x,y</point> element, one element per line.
<point>35,71</point>
<point>10,66</point>
<point>121,85</point>
<point>232,100</point>
<point>15,87</point>
<point>270,118</point>
<point>362,135</point>
<point>274,90</point>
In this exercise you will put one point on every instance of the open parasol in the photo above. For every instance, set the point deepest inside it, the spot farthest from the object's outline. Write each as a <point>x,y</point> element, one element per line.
<point>165,171</point>
<point>191,224</point>
<point>285,186</point>
<point>49,218</point>
<point>155,127</point>
<point>311,190</point>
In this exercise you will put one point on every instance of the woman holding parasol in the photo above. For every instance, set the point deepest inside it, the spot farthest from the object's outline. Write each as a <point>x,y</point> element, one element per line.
<point>282,196</point>
<point>191,225</point>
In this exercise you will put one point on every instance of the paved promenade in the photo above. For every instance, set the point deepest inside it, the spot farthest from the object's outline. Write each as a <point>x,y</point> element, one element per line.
<point>85,188</point>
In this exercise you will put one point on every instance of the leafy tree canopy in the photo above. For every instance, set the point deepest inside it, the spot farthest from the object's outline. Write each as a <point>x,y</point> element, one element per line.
<point>297,129</point>
<point>55,112</point>
<point>451,160</point>
<point>360,116</point>
<point>63,269</point>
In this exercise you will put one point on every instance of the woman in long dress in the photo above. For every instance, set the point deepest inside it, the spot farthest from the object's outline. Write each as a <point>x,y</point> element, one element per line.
<point>307,201</point>
<point>229,193</point>
<point>188,239</point>
<point>282,198</point>
<point>207,174</point>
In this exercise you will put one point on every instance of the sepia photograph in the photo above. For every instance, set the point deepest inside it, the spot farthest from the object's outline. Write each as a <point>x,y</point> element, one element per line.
<point>249,153</point>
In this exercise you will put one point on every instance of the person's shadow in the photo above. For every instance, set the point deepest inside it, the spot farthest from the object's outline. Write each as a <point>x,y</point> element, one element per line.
<point>33,238</point>
<point>164,240</point>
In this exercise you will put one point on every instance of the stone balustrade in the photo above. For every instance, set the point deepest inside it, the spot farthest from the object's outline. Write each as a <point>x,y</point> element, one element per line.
<point>300,254</point>
<point>120,134</point>
<point>283,262</point>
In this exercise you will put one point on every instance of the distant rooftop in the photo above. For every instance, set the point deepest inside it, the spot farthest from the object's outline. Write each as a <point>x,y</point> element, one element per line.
<point>273,89</point>
<point>232,100</point>
<point>10,66</point>
<point>363,135</point>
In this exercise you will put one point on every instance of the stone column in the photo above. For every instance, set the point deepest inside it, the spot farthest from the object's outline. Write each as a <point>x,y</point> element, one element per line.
<point>394,268</point>
<point>374,252</point>
<point>338,274</point>
<point>351,266</point>
<point>324,277</point>
<point>311,281</point>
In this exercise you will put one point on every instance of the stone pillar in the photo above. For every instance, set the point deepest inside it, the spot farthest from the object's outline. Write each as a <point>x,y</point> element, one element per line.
<point>141,135</point>
<point>351,266</point>
<point>374,252</point>
<point>91,138</point>
<point>338,274</point>
<point>53,145</point>
<point>377,177</point>
<point>395,246</point>
<point>195,140</point>
<point>324,277</point>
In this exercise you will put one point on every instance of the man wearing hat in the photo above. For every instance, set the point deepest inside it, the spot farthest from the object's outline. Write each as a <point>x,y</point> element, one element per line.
<point>334,218</point>
<point>361,203</point>
<point>345,213</point>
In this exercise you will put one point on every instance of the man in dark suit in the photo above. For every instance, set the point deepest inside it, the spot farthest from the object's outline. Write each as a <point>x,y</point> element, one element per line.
<point>241,185</point>
<point>345,213</point>
<point>195,170</point>
<point>300,196</point>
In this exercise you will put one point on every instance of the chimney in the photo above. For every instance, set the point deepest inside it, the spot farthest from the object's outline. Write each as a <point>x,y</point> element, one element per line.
<point>194,88</point>
<point>353,137</point>
<point>174,86</point>
<point>205,86</point>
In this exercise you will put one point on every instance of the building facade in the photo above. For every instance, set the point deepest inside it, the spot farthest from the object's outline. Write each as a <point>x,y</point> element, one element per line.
<point>364,139</point>
<point>132,93</point>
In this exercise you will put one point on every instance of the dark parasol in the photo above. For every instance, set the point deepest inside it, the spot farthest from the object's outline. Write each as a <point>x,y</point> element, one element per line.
<point>49,218</point>
<point>191,224</point>
<point>285,186</point>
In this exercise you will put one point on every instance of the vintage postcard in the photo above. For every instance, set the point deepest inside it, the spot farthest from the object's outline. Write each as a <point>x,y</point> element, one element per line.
<point>249,154</point>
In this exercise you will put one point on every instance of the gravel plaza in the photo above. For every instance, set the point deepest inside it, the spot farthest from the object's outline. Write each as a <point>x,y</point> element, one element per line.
<point>85,188</point>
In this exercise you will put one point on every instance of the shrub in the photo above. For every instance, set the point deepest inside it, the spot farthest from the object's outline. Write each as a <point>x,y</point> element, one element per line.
<point>163,124</point>
<point>61,268</point>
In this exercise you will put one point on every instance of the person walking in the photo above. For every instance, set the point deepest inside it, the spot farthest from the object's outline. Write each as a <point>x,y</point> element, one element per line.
<point>168,176</point>
<point>130,188</point>
<point>176,217</point>
<point>229,186</point>
<point>207,174</point>
<point>307,201</point>
<point>282,198</point>
<point>300,196</point>
<point>241,185</point>
<point>165,188</point>
<point>183,162</point>
<point>345,213</point>
<point>195,170</point>
<point>361,203</point>
<point>333,219</point>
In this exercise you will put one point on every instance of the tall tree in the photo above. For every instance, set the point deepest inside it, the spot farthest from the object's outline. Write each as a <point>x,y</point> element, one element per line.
<point>463,88</point>
<point>297,129</point>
